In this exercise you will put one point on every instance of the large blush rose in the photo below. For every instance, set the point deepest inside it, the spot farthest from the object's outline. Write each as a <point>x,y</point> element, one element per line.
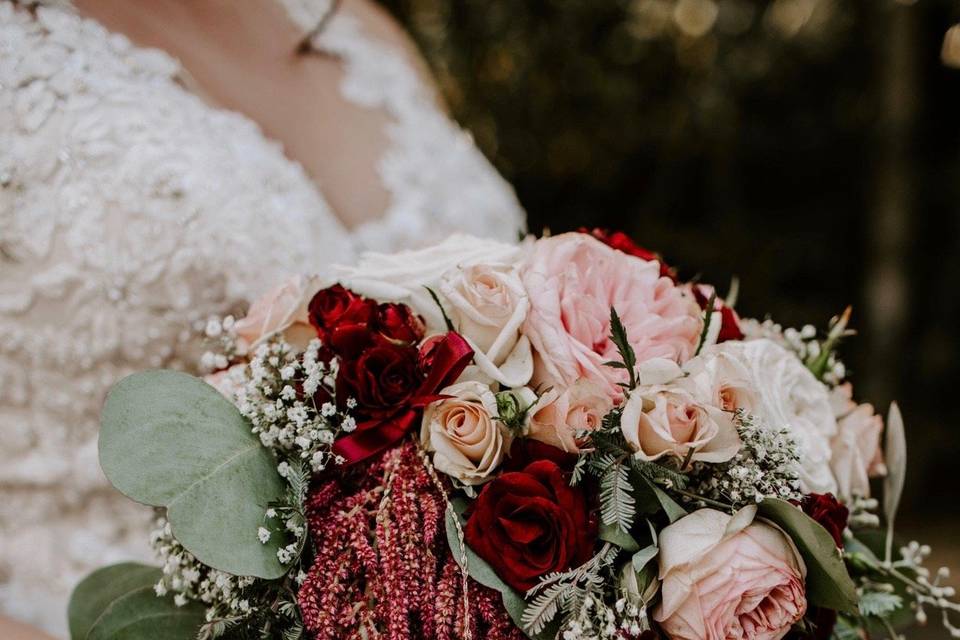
<point>857,455</point>
<point>529,523</point>
<point>728,577</point>
<point>467,441</point>
<point>573,280</point>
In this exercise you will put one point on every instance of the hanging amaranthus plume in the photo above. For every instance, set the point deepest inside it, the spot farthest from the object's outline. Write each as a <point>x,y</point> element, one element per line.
<point>383,564</point>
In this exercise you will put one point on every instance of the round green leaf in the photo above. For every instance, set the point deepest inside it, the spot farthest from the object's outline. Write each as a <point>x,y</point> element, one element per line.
<point>100,589</point>
<point>141,615</point>
<point>170,440</point>
<point>828,582</point>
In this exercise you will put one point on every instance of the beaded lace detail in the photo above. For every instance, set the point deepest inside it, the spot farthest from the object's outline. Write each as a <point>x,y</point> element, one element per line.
<point>130,211</point>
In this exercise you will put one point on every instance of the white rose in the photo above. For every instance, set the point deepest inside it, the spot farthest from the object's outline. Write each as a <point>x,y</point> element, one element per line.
<point>404,276</point>
<point>487,305</point>
<point>789,396</point>
<point>720,379</point>
<point>468,443</point>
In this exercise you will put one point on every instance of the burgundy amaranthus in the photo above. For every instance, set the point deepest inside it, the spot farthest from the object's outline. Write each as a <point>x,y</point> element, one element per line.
<point>383,564</point>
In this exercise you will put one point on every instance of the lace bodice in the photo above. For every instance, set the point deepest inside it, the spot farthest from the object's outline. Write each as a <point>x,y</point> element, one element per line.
<point>130,211</point>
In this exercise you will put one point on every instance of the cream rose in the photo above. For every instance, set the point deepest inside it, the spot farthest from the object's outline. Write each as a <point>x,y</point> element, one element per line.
<point>720,379</point>
<point>467,441</point>
<point>667,420</point>
<point>728,577</point>
<point>789,396</point>
<point>280,310</point>
<point>404,276</point>
<point>560,415</point>
<point>857,455</point>
<point>487,305</point>
<point>573,280</point>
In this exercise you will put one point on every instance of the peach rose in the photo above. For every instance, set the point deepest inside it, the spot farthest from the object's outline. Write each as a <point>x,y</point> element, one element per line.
<point>573,280</point>
<point>560,414</point>
<point>720,379</point>
<point>857,455</point>
<point>726,577</point>
<point>467,441</point>
<point>667,420</point>
<point>283,309</point>
<point>487,305</point>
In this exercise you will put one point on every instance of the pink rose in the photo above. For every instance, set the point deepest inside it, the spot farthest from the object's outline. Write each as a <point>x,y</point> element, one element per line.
<point>560,414</point>
<point>726,577</point>
<point>573,280</point>
<point>856,454</point>
<point>283,309</point>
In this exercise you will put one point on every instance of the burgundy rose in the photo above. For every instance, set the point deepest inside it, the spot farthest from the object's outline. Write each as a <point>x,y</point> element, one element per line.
<point>345,321</point>
<point>529,523</point>
<point>382,379</point>
<point>329,305</point>
<point>398,323</point>
<point>622,242</point>
<point>729,320</point>
<point>829,512</point>
<point>524,451</point>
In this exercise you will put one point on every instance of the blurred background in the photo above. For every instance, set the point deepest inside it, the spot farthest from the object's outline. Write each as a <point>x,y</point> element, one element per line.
<point>810,147</point>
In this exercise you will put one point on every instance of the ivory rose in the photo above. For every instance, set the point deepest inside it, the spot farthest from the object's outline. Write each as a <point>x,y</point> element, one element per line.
<point>467,441</point>
<point>720,379</point>
<point>789,396</point>
<point>488,304</point>
<point>282,309</point>
<point>726,577</point>
<point>560,414</point>
<point>573,280</point>
<point>667,420</point>
<point>857,455</point>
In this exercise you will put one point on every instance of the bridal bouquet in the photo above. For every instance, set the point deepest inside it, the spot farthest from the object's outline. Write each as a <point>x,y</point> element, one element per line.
<point>555,439</point>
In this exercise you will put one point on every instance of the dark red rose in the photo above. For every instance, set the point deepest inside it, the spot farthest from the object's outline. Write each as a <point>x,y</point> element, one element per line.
<point>529,523</point>
<point>397,322</point>
<point>345,321</point>
<point>523,451</point>
<point>382,379</point>
<point>828,512</point>
<point>622,242</point>
<point>729,320</point>
<point>329,305</point>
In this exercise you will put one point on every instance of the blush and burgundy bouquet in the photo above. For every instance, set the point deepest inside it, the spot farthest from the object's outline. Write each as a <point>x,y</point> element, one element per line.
<point>554,439</point>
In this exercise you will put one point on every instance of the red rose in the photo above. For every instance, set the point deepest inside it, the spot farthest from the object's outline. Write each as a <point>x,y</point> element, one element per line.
<point>829,512</point>
<point>523,451</point>
<point>729,320</point>
<point>398,323</point>
<point>382,379</point>
<point>345,321</point>
<point>529,523</point>
<point>329,305</point>
<point>622,242</point>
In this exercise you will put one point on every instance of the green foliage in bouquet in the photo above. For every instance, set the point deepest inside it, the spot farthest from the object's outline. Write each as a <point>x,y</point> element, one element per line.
<point>119,602</point>
<point>170,440</point>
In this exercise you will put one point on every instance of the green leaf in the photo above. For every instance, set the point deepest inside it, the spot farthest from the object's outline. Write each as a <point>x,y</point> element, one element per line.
<point>101,588</point>
<point>618,336</point>
<point>673,510</point>
<point>828,583</point>
<point>141,615</point>
<point>613,533</point>
<point>170,440</point>
<point>481,571</point>
<point>896,459</point>
<point>643,557</point>
<point>879,603</point>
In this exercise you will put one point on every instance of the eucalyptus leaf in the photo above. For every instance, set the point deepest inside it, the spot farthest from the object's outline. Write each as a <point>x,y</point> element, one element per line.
<point>141,615</point>
<point>170,440</point>
<point>616,535</point>
<point>896,459</point>
<point>643,557</point>
<point>101,588</point>
<point>673,510</point>
<point>828,583</point>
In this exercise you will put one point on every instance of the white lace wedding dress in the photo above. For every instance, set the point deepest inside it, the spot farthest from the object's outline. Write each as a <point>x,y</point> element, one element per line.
<point>130,211</point>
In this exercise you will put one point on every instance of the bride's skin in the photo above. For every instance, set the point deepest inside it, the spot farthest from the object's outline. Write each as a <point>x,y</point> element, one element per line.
<point>242,55</point>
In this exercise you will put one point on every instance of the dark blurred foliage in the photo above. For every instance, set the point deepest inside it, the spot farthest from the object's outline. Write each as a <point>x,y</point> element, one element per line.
<point>808,146</point>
